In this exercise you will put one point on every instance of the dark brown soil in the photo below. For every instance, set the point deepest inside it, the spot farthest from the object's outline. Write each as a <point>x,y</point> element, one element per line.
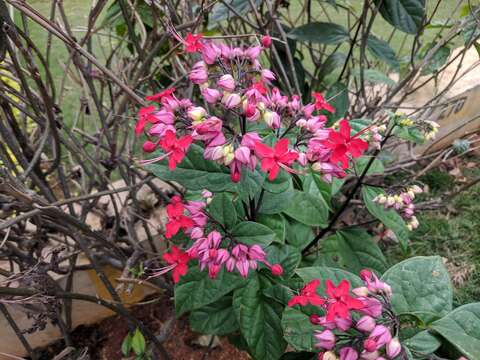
<point>103,340</point>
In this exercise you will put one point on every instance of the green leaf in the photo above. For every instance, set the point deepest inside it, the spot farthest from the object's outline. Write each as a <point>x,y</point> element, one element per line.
<point>376,167</point>
<point>333,62</point>
<point>308,209</point>
<point>287,256</point>
<point>337,96</point>
<point>223,210</point>
<point>196,289</point>
<point>405,15</point>
<point>298,330</point>
<point>438,59</point>
<point>217,318</point>
<point>423,343</point>
<point>275,222</point>
<point>461,328</point>
<point>298,234</point>
<point>222,12</point>
<point>358,125</point>
<point>321,33</point>
<point>196,173</point>
<point>127,345</point>
<point>356,250</point>
<point>382,51</point>
<point>259,321</point>
<point>323,273</point>
<point>389,218</point>
<point>276,203</point>
<point>373,76</point>
<point>420,285</point>
<point>281,183</point>
<point>279,293</point>
<point>409,133</point>
<point>251,233</point>
<point>138,343</point>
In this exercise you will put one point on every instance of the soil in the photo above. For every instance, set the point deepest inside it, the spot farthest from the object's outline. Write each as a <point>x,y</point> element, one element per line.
<point>103,341</point>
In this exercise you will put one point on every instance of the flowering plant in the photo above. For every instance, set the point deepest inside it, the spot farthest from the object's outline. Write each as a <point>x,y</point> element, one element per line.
<point>259,172</point>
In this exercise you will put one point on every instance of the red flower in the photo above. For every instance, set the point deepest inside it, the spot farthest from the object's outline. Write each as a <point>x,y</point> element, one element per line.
<point>308,295</point>
<point>145,115</point>
<point>260,87</point>
<point>274,158</point>
<point>167,93</point>
<point>321,104</point>
<point>179,261</point>
<point>176,218</point>
<point>192,43</point>
<point>343,144</point>
<point>176,149</point>
<point>339,301</point>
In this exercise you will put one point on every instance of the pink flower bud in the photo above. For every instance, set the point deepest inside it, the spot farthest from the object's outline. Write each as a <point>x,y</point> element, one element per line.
<point>381,334</point>
<point>315,319</point>
<point>196,113</point>
<point>365,274</point>
<point>325,339</point>
<point>370,355</point>
<point>256,253</point>
<point>366,324</point>
<point>272,119</point>
<point>250,139</point>
<point>393,348</point>
<point>361,291</point>
<point>267,75</point>
<point>226,82</point>
<point>199,74</point>
<point>276,269</point>
<point>302,159</point>
<point>231,100</point>
<point>210,52</point>
<point>343,323</point>
<point>149,146</point>
<point>211,96</point>
<point>373,307</point>
<point>253,52</point>
<point>370,345</point>
<point>222,256</point>
<point>348,353</point>
<point>242,154</point>
<point>213,270</point>
<point>266,41</point>
<point>196,233</point>
<point>301,123</point>
<point>206,194</point>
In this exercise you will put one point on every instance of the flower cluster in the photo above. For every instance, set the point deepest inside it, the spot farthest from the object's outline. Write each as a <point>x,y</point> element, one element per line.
<point>427,128</point>
<point>212,250</point>
<point>356,324</point>
<point>243,119</point>
<point>402,202</point>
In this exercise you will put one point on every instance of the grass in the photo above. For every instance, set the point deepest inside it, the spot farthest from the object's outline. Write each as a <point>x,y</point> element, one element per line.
<point>451,233</point>
<point>77,13</point>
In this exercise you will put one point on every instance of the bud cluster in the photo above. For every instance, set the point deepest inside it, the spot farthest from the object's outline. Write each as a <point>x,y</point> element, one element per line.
<point>355,325</point>
<point>239,108</point>
<point>213,251</point>
<point>402,202</point>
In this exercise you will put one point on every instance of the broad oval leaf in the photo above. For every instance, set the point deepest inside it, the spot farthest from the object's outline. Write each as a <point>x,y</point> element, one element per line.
<point>308,209</point>
<point>423,343</point>
<point>251,233</point>
<point>259,320</point>
<point>223,210</point>
<point>420,285</point>
<point>320,32</point>
<point>382,51</point>
<point>405,15</point>
<point>298,330</point>
<point>276,222</point>
<point>287,256</point>
<point>298,234</point>
<point>461,328</point>
<point>196,289</point>
<point>217,318</point>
